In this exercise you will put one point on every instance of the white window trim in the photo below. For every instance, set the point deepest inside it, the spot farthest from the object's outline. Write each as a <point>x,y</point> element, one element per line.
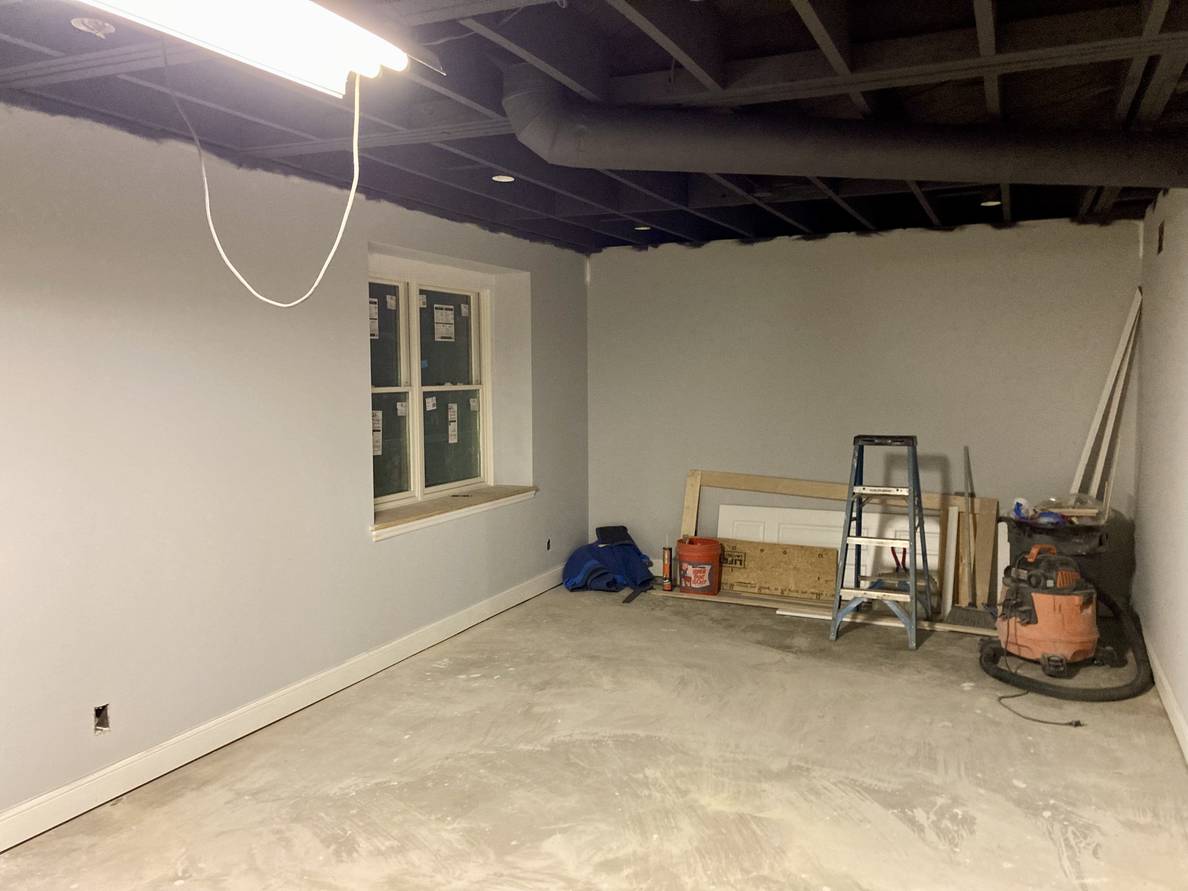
<point>410,374</point>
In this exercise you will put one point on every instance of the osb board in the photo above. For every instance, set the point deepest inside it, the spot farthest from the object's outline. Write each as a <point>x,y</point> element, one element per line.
<point>778,570</point>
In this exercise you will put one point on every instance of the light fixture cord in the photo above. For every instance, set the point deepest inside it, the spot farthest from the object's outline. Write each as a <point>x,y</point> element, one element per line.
<point>206,197</point>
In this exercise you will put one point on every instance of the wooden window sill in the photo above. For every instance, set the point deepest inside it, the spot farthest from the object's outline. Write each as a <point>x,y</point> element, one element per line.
<point>417,515</point>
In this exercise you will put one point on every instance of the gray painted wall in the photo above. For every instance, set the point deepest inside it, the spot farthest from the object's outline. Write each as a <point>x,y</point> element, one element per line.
<point>187,472</point>
<point>768,358</point>
<point>1162,521</point>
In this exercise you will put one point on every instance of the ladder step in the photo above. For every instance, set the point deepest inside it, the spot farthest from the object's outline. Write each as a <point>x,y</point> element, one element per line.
<point>901,491</point>
<point>878,542</point>
<point>875,594</point>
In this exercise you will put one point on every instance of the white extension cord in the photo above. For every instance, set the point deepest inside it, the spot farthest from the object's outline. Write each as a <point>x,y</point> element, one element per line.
<point>210,220</point>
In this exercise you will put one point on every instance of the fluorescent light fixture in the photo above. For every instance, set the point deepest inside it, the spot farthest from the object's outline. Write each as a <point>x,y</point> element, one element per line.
<point>503,178</point>
<point>297,39</point>
<point>991,202</point>
<point>642,228</point>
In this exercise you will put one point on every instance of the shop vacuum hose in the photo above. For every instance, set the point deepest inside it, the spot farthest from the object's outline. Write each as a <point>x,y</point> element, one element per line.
<point>992,652</point>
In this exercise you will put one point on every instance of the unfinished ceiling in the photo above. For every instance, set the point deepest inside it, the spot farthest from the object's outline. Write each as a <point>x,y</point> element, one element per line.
<point>1073,77</point>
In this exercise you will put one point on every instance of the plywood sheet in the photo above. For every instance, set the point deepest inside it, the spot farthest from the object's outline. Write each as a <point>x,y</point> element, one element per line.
<point>778,570</point>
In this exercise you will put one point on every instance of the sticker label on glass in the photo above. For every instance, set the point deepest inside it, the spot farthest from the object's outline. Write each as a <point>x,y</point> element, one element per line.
<point>443,323</point>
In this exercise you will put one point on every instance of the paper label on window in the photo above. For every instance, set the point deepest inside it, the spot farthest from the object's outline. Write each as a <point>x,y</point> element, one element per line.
<point>474,403</point>
<point>374,329</point>
<point>421,301</point>
<point>453,432</point>
<point>430,403</point>
<point>392,302</point>
<point>465,310</point>
<point>372,308</point>
<point>401,409</point>
<point>443,322</point>
<point>452,411</point>
<point>377,443</point>
<point>377,420</point>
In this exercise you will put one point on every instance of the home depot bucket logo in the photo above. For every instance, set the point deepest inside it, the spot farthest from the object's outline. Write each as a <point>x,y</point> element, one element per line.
<point>696,575</point>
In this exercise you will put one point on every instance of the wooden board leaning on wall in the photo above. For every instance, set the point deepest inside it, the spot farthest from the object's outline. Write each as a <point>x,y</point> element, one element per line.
<point>985,514</point>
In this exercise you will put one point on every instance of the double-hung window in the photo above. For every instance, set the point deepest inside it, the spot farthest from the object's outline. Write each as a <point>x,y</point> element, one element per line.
<point>430,398</point>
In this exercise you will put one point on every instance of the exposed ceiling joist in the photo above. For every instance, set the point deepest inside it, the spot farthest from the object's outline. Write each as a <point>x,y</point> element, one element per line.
<point>1028,45</point>
<point>690,33</point>
<point>442,133</point>
<point>428,12</point>
<point>828,22</point>
<point>986,23</point>
<point>1154,12</point>
<point>553,41</point>
<point>730,185</point>
<point>925,204</point>
<point>841,202</point>
<point>1150,107</point>
<point>62,69</point>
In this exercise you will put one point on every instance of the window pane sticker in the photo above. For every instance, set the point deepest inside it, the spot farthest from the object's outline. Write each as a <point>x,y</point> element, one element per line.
<point>473,403</point>
<point>465,310</point>
<point>373,316</point>
<point>430,403</point>
<point>401,409</point>
<point>392,302</point>
<point>452,411</point>
<point>443,322</point>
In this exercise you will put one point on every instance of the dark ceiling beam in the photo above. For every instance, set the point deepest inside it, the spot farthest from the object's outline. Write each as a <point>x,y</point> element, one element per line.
<point>925,204</point>
<point>428,12</point>
<point>1154,12</point>
<point>1150,107</point>
<point>841,202</point>
<point>745,194</point>
<point>1028,45</point>
<point>719,191</point>
<point>690,33</point>
<point>828,23</point>
<point>442,133</point>
<point>986,25</point>
<point>554,41</point>
<point>986,20</point>
<point>671,190</point>
<point>64,69</point>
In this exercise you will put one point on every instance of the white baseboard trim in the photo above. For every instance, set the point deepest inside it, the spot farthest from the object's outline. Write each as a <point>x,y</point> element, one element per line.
<point>36,815</point>
<point>1171,705</point>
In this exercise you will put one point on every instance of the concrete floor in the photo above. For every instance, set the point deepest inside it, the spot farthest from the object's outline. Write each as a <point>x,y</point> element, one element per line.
<point>575,742</point>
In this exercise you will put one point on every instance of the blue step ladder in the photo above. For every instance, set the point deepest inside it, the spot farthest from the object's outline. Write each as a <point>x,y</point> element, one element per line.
<point>908,598</point>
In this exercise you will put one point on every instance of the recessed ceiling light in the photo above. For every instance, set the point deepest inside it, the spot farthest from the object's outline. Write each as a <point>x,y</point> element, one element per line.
<point>98,27</point>
<point>643,228</point>
<point>503,178</point>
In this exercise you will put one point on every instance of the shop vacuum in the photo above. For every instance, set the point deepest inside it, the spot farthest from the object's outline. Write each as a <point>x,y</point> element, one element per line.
<point>1047,613</point>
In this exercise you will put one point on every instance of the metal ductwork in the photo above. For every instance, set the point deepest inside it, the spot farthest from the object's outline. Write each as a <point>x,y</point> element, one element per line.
<point>570,133</point>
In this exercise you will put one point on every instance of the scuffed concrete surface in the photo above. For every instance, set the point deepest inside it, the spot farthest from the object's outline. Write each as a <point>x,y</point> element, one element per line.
<point>576,742</point>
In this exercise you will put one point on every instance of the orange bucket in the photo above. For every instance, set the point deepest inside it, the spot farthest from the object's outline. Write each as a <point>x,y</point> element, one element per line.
<point>700,565</point>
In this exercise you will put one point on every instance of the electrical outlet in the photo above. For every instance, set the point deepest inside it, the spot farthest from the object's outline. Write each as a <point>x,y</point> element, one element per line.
<point>102,719</point>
